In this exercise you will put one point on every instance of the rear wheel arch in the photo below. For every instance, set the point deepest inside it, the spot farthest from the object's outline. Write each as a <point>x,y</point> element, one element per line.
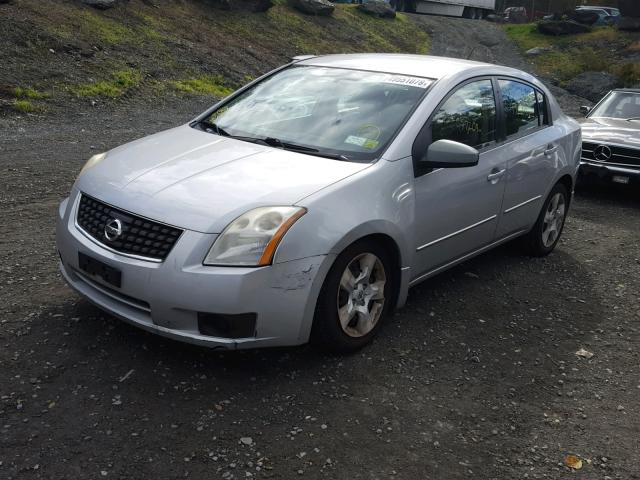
<point>568,183</point>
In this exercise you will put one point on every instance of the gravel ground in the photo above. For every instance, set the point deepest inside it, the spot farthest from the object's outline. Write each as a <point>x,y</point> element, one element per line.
<point>477,377</point>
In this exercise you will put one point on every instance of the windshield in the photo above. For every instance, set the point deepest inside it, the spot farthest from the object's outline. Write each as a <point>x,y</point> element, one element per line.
<point>334,112</point>
<point>625,105</point>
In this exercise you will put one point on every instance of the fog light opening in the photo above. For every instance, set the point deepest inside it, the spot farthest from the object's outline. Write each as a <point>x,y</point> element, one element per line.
<point>241,325</point>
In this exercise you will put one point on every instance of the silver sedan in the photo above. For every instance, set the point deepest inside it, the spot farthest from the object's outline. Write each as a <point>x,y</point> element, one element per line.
<point>303,206</point>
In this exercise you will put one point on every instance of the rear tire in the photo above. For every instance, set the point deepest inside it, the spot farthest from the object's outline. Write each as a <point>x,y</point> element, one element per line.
<point>546,232</point>
<point>355,298</point>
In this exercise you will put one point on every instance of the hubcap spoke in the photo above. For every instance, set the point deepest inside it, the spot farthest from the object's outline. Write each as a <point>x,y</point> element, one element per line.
<point>548,217</point>
<point>347,281</point>
<point>363,326</point>
<point>367,262</point>
<point>376,290</point>
<point>346,313</point>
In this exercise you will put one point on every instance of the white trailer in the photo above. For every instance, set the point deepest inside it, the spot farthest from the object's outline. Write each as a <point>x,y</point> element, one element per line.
<point>454,8</point>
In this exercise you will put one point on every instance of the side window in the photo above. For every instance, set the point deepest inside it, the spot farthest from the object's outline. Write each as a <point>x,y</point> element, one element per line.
<point>468,116</point>
<point>521,107</point>
<point>543,111</point>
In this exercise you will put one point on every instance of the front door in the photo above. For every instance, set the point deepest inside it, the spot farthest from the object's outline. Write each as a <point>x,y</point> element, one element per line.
<point>457,209</point>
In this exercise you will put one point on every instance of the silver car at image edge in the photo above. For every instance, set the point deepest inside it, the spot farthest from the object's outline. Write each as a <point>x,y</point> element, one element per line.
<point>611,139</point>
<point>303,206</point>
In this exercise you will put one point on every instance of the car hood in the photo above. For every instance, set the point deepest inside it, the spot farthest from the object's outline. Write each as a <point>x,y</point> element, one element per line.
<point>612,131</point>
<point>200,181</point>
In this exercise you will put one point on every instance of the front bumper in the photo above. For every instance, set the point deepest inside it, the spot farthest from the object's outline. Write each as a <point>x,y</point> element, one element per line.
<point>605,172</point>
<point>165,298</point>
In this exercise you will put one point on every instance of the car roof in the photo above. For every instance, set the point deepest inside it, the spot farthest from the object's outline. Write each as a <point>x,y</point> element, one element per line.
<point>402,64</point>
<point>597,6</point>
<point>630,90</point>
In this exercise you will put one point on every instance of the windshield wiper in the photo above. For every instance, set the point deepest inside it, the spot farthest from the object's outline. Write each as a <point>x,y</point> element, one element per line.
<point>209,126</point>
<point>275,142</point>
<point>271,142</point>
<point>294,147</point>
<point>633,119</point>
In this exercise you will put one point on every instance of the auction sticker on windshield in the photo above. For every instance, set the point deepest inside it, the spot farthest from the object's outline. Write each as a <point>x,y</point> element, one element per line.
<point>409,81</point>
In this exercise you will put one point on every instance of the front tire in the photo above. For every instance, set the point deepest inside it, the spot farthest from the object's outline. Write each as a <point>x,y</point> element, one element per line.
<point>545,234</point>
<point>355,298</point>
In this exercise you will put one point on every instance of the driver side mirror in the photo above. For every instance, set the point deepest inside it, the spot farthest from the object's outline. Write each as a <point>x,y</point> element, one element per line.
<point>585,110</point>
<point>449,154</point>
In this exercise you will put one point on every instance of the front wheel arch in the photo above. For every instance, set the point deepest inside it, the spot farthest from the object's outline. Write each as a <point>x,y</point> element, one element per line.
<point>322,333</point>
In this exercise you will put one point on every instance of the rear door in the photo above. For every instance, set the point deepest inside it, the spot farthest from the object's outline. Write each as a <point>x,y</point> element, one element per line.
<point>532,147</point>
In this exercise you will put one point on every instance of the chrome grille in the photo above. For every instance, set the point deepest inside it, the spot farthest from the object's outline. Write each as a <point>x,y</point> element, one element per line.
<point>618,155</point>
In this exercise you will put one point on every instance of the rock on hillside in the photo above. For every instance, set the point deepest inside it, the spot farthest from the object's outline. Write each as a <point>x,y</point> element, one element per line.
<point>100,4</point>
<point>378,8</point>
<point>629,24</point>
<point>593,85</point>
<point>562,27</point>
<point>313,7</point>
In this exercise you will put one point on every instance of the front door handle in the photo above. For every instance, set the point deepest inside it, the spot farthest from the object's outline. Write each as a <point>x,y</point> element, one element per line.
<point>550,149</point>
<point>495,175</point>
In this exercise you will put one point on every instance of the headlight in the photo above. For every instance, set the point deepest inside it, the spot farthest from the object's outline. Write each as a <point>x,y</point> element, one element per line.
<point>92,162</point>
<point>251,239</point>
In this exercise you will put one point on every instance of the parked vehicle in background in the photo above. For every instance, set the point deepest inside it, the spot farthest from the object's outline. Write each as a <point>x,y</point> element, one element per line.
<point>516,15</point>
<point>455,8</point>
<point>305,205</point>
<point>614,12</point>
<point>595,16</point>
<point>611,138</point>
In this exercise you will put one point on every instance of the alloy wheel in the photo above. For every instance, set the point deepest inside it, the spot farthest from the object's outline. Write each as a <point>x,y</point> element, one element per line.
<point>361,295</point>
<point>553,220</point>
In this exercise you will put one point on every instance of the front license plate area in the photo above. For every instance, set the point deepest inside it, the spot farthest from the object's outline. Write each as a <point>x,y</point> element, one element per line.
<point>96,268</point>
<point>620,179</point>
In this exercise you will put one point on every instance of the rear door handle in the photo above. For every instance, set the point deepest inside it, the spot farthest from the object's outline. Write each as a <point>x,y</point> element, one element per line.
<point>495,175</point>
<point>550,149</point>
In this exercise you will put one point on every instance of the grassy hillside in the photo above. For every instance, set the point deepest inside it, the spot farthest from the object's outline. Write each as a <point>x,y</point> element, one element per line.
<point>604,49</point>
<point>56,52</point>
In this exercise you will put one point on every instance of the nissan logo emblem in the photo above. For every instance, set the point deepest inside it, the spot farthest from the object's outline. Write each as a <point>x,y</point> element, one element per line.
<point>602,153</point>
<point>113,229</point>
